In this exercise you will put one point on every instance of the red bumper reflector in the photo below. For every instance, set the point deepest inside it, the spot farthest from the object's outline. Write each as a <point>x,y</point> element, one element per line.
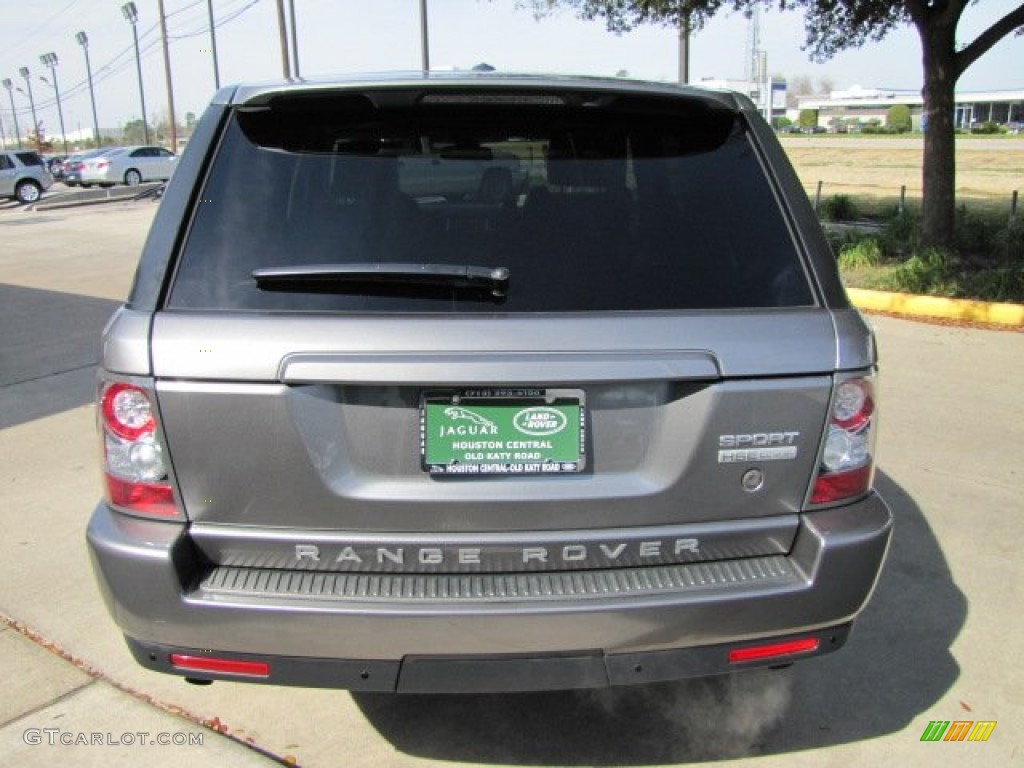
<point>223,666</point>
<point>788,648</point>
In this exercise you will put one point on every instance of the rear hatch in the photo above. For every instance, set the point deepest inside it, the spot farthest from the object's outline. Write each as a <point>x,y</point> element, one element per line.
<point>615,351</point>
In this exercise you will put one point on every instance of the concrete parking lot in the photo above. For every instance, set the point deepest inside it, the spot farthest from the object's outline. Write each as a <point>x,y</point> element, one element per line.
<point>941,639</point>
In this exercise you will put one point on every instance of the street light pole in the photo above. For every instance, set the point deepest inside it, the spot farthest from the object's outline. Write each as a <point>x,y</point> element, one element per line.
<point>32,103</point>
<point>131,14</point>
<point>83,40</point>
<point>424,37</point>
<point>213,45</point>
<point>10,92</point>
<point>282,28</point>
<point>295,38</point>
<point>167,74</point>
<point>3,134</point>
<point>50,60</point>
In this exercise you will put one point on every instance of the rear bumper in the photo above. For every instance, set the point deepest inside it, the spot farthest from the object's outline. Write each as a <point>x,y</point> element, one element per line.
<point>158,589</point>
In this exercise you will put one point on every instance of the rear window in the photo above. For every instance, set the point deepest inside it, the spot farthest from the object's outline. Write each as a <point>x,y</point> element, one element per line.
<point>616,204</point>
<point>29,158</point>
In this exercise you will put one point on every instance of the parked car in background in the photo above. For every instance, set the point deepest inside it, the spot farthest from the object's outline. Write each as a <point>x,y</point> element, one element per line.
<point>129,165</point>
<point>23,175</point>
<point>485,383</point>
<point>55,164</point>
<point>71,172</point>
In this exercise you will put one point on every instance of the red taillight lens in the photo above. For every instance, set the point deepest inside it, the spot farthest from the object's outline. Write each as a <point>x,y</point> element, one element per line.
<point>150,499</point>
<point>101,164</point>
<point>847,458</point>
<point>133,457</point>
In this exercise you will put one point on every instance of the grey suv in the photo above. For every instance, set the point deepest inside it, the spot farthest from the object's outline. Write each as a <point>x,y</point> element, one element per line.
<point>23,175</point>
<point>607,418</point>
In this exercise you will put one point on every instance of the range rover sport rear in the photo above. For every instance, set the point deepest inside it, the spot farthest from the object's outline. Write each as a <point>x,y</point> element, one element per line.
<point>479,383</point>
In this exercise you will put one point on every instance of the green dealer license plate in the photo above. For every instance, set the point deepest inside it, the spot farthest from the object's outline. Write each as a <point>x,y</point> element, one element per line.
<point>502,431</point>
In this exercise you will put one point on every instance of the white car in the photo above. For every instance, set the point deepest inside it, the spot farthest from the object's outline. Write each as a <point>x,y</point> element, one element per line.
<point>129,165</point>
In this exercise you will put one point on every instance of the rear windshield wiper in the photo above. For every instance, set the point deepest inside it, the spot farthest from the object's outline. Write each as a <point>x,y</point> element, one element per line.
<point>337,276</point>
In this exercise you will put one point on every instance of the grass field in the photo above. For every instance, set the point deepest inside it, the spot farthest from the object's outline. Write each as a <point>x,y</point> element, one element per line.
<point>873,175</point>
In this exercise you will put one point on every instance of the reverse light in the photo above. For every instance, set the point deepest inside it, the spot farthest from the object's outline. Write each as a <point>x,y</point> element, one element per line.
<point>133,458</point>
<point>847,458</point>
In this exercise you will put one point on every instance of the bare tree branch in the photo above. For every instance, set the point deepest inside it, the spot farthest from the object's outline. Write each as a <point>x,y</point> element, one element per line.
<point>983,42</point>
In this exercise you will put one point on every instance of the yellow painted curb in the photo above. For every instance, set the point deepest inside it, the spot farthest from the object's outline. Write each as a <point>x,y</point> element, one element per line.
<point>935,306</point>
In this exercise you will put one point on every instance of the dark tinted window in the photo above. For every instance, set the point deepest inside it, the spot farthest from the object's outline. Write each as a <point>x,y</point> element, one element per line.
<point>30,158</point>
<point>638,205</point>
<point>6,163</point>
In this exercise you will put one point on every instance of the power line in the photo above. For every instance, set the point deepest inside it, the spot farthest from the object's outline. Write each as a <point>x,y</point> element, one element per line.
<point>122,60</point>
<point>24,40</point>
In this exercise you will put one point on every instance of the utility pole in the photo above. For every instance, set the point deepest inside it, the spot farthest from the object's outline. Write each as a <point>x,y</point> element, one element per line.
<point>131,14</point>
<point>424,37</point>
<point>295,38</point>
<point>83,40</point>
<point>213,45</point>
<point>14,113</point>
<point>167,72</point>
<point>283,30</point>
<point>50,60</point>
<point>32,103</point>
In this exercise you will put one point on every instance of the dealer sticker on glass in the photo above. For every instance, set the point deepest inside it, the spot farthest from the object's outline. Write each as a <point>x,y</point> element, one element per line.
<point>502,431</point>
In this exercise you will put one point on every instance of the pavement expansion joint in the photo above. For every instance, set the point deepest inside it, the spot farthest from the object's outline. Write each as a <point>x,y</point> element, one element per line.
<point>213,724</point>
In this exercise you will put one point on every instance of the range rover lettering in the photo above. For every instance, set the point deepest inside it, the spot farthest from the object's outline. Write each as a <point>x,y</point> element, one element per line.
<point>477,382</point>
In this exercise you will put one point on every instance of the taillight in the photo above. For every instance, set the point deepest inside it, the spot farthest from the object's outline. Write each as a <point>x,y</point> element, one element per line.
<point>101,164</point>
<point>133,458</point>
<point>846,466</point>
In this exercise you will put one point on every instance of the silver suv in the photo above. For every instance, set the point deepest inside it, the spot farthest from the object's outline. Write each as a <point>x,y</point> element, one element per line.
<point>607,418</point>
<point>23,175</point>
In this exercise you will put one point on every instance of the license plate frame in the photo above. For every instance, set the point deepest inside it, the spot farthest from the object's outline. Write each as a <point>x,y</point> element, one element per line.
<point>494,431</point>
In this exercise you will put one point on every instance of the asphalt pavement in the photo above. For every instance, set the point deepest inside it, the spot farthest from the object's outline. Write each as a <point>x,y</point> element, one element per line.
<point>940,640</point>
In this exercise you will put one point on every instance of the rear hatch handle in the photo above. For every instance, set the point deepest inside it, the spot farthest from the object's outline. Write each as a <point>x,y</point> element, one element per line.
<point>498,368</point>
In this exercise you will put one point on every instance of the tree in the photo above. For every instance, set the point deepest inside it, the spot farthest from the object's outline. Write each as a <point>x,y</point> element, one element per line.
<point>897,117</point>
<point>808,118</point>
<point>836,25</point>
<point>133,132</point>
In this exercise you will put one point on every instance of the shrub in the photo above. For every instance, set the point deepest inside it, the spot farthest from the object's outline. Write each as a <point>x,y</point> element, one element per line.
<point>838,208</point>
<point>864,253</point>
<point>929,271</point>
<point>975,234</point>
<point>989,127</point>
<point>995,284</point>
<point>898,118</point>
<point>900,235</point>
<point>1009,243</point>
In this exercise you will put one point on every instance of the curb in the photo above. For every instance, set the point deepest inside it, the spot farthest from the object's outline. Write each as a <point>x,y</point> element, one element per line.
<point>934,306</point>
<point>84,197</point>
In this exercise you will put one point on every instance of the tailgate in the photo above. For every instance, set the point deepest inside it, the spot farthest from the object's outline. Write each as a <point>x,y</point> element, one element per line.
<point>314,423</point>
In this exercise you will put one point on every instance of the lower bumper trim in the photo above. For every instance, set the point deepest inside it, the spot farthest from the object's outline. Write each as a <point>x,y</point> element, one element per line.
<point>494,674</point>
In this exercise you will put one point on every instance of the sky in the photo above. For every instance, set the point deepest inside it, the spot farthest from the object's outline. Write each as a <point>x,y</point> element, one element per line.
<point>339,36</point>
